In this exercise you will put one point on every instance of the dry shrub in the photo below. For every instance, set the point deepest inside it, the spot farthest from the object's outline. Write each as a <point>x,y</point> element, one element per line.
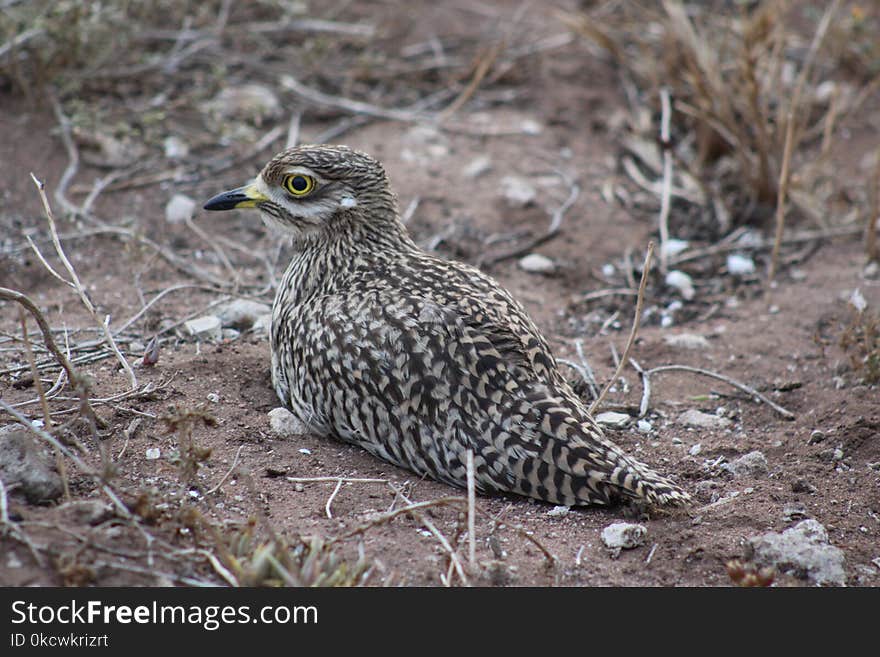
<point>739,76</point>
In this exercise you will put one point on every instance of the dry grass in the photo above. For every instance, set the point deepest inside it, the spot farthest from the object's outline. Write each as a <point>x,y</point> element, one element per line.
<point>740,81</point>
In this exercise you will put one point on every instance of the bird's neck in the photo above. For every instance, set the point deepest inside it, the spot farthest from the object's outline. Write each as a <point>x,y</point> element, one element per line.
<point>323,263</point>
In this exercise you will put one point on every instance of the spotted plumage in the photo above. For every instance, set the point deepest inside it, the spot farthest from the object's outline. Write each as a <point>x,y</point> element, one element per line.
<point>415,358</point>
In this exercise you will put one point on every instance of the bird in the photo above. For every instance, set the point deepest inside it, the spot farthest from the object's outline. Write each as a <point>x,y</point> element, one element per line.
<point>419,359</point>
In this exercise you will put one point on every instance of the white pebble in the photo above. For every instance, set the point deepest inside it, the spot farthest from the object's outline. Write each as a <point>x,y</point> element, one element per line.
<point>696,449</point>
<point>681,282</point>
<point>612,419</point>
<point>179,209</point>
<point>857,300</point>
<point>478,166</point>
<point>695,418</point>
<point>305,451</point>
<point>286,424</point>
<point>687,341</point>
<point>672,246</point>
<point>738,265</point>
<point>207,327</point>
<point>241,314</point>
<point>644,426</point>
<point>518,192</point>
<point>624,535</point>
<point>559,511</point>
<point>175,148</point>
<point>153,453</point>
<point>535,263</point>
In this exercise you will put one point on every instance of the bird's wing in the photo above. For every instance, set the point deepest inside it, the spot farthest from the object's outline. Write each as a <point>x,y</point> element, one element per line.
<point>420,384</point>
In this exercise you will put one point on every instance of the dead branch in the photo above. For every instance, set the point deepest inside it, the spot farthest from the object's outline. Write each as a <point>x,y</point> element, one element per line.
<point>788,415</point>
<point>640,299</point>
<point>667,177</point>
<point>77,285</point>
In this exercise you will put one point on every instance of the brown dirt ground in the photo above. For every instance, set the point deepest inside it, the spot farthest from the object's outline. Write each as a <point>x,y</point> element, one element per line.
<point>772,335</point>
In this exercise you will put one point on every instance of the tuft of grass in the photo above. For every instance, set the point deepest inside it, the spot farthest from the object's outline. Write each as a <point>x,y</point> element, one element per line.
<point>860,340</point>
<point>751,88</point>
<point>748,575</point>
<point>311,561</point>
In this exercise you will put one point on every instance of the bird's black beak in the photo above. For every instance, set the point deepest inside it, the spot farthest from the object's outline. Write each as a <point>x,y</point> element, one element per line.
<point>243,197</point>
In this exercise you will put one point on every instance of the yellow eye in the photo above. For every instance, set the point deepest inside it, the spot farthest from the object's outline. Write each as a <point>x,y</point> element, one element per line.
<point>299,184</point>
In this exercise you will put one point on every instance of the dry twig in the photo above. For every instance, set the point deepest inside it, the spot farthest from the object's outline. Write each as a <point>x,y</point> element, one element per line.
<point>640,299</point>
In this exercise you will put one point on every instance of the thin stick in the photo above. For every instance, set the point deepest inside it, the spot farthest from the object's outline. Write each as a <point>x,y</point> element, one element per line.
<point>871,248</point>
<point>331,498</point>
<point>46,330</point>
<point>79,287</point>
<point>438,535</point>
<point>228,472</point>
<point>667,176</point>
<point>782,193</point>
<point>788,415</point>
<point>471,489</point>
<point>640,299</point>
<point>347,480</point>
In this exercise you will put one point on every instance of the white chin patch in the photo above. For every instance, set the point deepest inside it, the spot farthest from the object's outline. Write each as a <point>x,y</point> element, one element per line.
<point>348,202</point>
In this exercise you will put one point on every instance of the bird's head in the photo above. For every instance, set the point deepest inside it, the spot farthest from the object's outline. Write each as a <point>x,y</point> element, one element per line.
<point>313,191</point>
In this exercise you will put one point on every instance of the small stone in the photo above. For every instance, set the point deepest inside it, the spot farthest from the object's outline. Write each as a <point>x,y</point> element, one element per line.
<point>872,270</point>
<point>793,512</point>
<point>207,327</point>
<point>753,464</point>
<point>477,167</point>
<point>228,335</point>
<point>673,247</point>
<point>136,347</point>
<point>696,449</point>
<point>857,300</point>
<point>213,397</point>
<point>816,436</point>
<point>180,208</point>
<point>608,270</point>
<point>613,420</point>
<point>695,418</point>
<point>706,491</point>
<point>25,468</point>
<point>624,535</point>
<point>802,551</point>
<point>531,127</point>
<point>241,313</point>
<point>286,424</point>
<point>305,451</point>
<point>175,148</point>
<point>802,486</point>
<point>262,324</point>
<point>559,511</point>
<point>644,426</point>
<point>153,453</point>
<point>687,341</point>
<point>681,282</point>
<point>249,102</point>
<point>738,265</point>
<point>517,192</point>
<point>535,263</point>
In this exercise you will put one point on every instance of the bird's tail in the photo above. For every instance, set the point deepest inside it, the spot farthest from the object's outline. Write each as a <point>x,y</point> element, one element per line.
<point>567,459</point>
